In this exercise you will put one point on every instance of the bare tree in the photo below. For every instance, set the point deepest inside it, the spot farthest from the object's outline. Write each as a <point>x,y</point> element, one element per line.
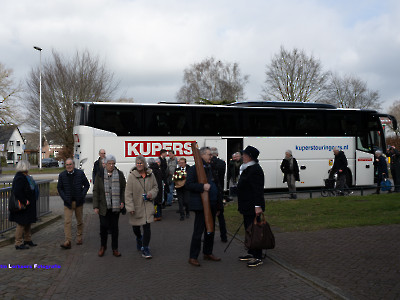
<point>81,78</point>
<point>351,92</point>
<point>8,95</point>
<point>212,81</point>
<point>294,76</point>
<point>394,110</point>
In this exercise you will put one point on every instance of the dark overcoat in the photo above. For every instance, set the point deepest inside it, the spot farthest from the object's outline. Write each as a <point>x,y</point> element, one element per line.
<point>79,188</point>
<point>381,166</point>
<point>285,167</point>
<point>197,188</point>
<point>23,192</point>
<point>158,174</point>
<point>99,194</point>
<point>250,190</point>
<point>340,162</point>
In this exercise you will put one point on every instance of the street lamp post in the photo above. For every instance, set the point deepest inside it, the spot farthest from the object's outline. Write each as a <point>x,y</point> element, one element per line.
<point>40,106</point>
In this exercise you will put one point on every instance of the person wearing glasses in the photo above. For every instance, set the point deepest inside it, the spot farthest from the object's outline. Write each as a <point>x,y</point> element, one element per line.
<point>141,190</point>
<point>72,187</point>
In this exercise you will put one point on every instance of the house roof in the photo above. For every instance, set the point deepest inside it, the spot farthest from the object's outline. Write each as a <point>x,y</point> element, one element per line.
<point>31,141</point>
<point>5,133</point>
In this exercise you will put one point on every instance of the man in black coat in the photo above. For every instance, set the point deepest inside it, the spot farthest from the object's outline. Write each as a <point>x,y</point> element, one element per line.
<point>72,187</point>
<point>98,165</point>
<point>219,166</point>
<point>251,201</point>
<point>196,205</point>
<point>340,168</point>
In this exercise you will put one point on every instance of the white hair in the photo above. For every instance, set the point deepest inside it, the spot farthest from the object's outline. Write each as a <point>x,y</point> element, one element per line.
<point>23,166</point>
<point>289,151</point>
<point>109,157</point>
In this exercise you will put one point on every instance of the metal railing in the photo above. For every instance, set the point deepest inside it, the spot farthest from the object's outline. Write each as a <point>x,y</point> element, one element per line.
<point>42,204</point>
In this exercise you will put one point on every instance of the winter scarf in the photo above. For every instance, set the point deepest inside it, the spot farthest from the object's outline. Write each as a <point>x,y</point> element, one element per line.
<point>113,197</point>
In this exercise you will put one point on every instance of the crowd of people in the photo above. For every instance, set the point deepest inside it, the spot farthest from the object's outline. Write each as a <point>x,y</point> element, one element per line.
<point>150,187</point>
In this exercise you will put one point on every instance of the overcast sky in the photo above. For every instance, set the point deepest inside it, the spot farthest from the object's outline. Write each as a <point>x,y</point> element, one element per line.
<point>148,44</point>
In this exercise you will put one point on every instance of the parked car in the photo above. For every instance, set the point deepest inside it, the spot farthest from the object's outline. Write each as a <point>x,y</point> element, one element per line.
<point>49,162</point>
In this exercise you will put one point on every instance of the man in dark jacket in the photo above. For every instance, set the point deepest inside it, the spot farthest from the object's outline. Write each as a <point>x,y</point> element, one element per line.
<point>196,205</point>
<point>251,201</point>
<point>72,187</point>
<point>98,166</point>
<point>290,170</point>
<point>219,166</point>
<point>395,167</point>
<point>340,168</point>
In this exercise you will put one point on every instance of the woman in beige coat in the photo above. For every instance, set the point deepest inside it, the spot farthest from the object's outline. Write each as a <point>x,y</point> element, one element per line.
<point>140,191</point>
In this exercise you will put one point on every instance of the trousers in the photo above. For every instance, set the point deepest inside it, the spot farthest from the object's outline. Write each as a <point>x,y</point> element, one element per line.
<point>68,212</point>
<point>109,221</point>
<point>198,231</point>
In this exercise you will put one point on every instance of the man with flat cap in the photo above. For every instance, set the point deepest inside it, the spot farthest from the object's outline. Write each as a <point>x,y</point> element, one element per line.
<point>251,203</point>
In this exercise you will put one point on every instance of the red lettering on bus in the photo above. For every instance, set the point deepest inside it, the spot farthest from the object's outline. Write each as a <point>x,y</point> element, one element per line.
<point>152,149</point>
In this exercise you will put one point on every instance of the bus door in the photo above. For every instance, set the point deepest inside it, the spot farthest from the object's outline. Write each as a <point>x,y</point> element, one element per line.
<point>221,145</point>
<point>364,164</point>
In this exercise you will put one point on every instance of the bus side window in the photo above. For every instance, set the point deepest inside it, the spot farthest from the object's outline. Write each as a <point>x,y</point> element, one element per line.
<point>168,122</point>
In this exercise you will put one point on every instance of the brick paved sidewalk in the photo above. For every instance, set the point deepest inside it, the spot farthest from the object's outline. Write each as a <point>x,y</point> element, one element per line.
<point>84,275</point>
<point>364,262</point>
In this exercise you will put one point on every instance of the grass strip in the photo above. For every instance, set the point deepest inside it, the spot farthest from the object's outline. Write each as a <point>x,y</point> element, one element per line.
<point>324,213</point>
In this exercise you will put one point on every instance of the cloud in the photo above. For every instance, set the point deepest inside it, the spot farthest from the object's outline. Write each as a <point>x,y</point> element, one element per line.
<point>147,44</point>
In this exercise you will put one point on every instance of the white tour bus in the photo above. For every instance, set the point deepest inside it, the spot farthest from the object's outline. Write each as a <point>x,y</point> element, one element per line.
<point>310,130</point>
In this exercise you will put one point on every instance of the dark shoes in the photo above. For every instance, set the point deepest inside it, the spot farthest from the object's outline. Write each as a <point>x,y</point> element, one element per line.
<point>21,247</point>
<point>224,240</point>
<point>182,218</point>
<point>255,262</point>
<point>146,253</point>
<point>101,251</point>
<point>211,257</point>
<point>116,253</point>
<point>30,243</point>
<point>246,257</point>
<point>66,245</point>
<point>79,242</point>
<point>194,262</point>
<point>187,216</point>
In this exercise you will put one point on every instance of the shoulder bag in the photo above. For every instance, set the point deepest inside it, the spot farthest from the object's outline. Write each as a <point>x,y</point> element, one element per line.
<point>14,205</point>
<point>259,235</point>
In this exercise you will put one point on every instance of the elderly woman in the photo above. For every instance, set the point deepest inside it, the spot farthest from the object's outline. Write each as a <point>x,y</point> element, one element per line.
<point>381,168</point>
<point>108,200</point>
<point>290,170</point>
<point>25,190</point>
<point>141,190</point>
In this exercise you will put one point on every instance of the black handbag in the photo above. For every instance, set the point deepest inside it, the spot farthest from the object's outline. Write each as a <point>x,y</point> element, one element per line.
<point>259,235</point>
<point>14,205</point>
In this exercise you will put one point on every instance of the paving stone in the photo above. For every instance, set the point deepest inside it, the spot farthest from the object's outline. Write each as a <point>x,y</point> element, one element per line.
<point>168,275</point>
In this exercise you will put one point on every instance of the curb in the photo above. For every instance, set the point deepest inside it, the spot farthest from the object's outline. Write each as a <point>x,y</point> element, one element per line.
<point>46,220</point>
<point>320,284</point>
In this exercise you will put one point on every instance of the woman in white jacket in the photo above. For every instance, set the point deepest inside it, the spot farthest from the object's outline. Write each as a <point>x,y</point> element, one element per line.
<point>140,191</point>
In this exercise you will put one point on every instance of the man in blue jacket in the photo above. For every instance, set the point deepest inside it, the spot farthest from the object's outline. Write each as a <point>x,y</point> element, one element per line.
<point>72,187</point>
<point>196,205</point>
